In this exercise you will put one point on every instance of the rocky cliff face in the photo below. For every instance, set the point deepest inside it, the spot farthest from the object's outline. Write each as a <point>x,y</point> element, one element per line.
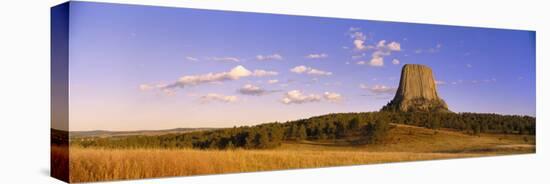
<point>417,92</point>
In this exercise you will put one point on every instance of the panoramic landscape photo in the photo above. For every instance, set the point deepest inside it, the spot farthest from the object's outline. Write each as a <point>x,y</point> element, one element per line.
<point>157,92</point>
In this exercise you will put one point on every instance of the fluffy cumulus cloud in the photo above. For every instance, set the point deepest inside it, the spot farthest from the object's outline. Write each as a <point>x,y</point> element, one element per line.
<point>383,49</point>
<point>250,89</point>
<point>214,97</point>
<point>392,46</point>
<point>297,97</point>
<point>193,80</point>
<point>378,89</point>
<point>359,44</point>
<point>269,57</point>
<point>317,56</point>
<point>332,97</point>
<point>299,69</point>
<point>376,61</point>
<point>234,74</point>
<point>358,38</point>
<point>379,50</point>
<point>308,70</point>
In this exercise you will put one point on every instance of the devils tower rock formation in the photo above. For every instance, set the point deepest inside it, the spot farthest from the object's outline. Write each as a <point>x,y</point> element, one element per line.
<point>417,92</point>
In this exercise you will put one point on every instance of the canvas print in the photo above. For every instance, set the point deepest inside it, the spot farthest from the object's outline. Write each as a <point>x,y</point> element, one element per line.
<point>147,92</point>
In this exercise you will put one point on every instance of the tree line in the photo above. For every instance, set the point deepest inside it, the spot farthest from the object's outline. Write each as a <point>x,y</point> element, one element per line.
<point>365,128</point>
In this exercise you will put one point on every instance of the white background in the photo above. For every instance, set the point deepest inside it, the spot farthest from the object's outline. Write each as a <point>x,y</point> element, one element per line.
<point>24,90</point>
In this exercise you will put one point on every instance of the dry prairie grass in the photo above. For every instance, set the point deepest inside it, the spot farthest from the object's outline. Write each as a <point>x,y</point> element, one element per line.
<point>102,164</point>
<point>405,143</point>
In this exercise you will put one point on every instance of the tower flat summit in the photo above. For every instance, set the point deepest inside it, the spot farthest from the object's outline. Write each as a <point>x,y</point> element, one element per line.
<point>417,92</point>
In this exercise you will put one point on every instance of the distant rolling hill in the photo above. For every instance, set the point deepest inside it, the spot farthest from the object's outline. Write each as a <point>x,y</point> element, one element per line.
<point>106,133</point>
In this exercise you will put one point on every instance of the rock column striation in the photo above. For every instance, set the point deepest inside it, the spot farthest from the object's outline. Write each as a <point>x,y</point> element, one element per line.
<point>417,92</point>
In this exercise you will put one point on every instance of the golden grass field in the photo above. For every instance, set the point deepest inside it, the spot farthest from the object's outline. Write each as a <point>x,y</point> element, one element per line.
<point>404,143</point>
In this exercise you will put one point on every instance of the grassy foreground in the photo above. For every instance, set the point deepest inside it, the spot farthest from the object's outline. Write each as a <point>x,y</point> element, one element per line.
<point>97,165</point>
<point>404,143</point>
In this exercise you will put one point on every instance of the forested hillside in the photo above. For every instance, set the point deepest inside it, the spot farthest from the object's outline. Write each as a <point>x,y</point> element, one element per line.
<point>364,128</point>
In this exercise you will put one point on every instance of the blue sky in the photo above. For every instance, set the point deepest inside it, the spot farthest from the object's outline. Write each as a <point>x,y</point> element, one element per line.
<point>143,67</point>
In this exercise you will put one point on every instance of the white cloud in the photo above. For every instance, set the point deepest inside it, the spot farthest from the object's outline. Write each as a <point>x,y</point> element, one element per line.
<point>189,58</point>
<point>395,61</point>
<point>161,86</point>
<point>469,65</point>
<point>381,49</point>
<point>146,87</point>
<point>318,72</point>
<point>317,56</point>
<point>358,39</point>
<point>234,74</point>
<point>333,97</point>
<point>297,97</point>
<point>359,44</point>
<point>378,89</point>
<point>250,89</point>
<point>357,35</point>
<point>272,81</point>
<point>381,44</point>
<point>269,57</point>
<point>226,59</point>
<point>264,73</point>
<point>308,70</point>
<point>299,69</point>
<point>218,97</point>
<point>394,46</point>
<point>376,61</point>
<point>438,82</point>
